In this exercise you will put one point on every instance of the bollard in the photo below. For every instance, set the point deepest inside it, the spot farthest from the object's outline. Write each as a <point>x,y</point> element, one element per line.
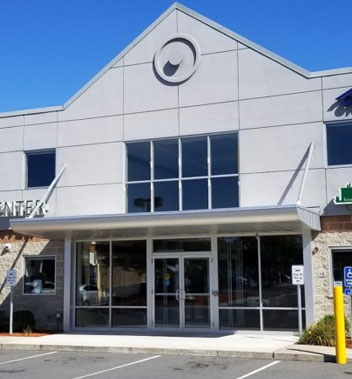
<point>340,338</point>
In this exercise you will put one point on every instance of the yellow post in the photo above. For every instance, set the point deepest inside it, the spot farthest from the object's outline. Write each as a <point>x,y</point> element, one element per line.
<point>340,338</point>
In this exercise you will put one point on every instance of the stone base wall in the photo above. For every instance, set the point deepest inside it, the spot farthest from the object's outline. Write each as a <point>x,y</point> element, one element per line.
<point>336,232</point>
<point>45,308</point>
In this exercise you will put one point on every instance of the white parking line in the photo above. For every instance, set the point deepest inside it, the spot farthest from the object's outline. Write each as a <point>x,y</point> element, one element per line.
<point>258,370</point>
<point>117,367</point>
<point>31,357</point>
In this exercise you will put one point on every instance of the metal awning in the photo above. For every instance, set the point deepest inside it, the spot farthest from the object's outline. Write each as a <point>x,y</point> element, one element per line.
<point>288,218</point>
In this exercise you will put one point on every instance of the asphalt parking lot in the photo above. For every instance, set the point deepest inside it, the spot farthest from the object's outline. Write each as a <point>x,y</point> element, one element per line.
<point>37,365</point>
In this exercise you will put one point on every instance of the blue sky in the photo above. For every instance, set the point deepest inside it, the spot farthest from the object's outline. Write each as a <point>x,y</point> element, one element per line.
<point>50,48</point>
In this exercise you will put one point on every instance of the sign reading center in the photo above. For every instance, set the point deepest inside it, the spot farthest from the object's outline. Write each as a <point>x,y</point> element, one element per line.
<point>21,208</point>
<point>297,275</point>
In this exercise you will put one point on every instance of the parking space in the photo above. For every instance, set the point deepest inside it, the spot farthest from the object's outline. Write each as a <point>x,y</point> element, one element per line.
<point>38,365</point>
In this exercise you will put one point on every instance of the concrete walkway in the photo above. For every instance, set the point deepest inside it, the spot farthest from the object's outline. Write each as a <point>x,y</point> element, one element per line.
<point>261,346</point>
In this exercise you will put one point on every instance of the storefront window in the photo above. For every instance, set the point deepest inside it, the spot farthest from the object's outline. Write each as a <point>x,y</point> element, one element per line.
<point>278,254</point>
<point>93,274</point>
<point>249,300</point>
<point>125,304</point>
<point>39,275</point>
<point>238,271</point>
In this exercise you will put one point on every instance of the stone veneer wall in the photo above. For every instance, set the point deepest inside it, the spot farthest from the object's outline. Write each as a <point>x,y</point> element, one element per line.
<point>44,307</point>
<point>336,232</point>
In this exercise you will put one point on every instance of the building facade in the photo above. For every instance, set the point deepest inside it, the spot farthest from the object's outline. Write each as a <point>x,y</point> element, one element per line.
<point>178,187</point>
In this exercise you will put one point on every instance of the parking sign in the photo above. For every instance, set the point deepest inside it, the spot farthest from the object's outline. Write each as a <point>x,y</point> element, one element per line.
<point>347,277</point>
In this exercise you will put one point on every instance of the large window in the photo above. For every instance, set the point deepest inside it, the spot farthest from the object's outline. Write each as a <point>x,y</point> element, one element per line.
<point>39,277</point>
<point>249,300</point>
<point>183,174</point>
<point>111,284</point>
<point>40,168</point>
<point>339,137</point>
<point>340,258</point>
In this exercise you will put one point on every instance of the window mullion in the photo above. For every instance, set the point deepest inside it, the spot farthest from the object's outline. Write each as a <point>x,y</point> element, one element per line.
<point>152,176</point>
<point>209,172</point>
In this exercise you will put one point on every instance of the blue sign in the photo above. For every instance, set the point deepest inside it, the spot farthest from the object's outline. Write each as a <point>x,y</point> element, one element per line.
<point>348,291</point>
<point>347,276</point>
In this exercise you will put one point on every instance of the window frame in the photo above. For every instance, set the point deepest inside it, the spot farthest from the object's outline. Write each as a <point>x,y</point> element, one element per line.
<point>326,151</point>
<point>38,257</point>
<point>38,152</point>
<point>179,179</point>
<point>332,249</point>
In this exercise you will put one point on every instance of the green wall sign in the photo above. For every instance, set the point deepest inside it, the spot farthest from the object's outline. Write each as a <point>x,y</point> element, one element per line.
<point>345,195</point>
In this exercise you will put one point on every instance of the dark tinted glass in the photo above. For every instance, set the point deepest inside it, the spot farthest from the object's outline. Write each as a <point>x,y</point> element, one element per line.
<point>166,159</point>
<point>182,244</point>
<point>129,274</point>
<point>341,259</point>
<point>282,320</point>
<point>224,154</point>
<point>138,197</point>
<point>278,254</point>
<point>166,196</point>
<point>238,271</point>
<point>138,157</point>
<point>239,319</point>
<point>40,275</point>
<point>224,192</point>
<point>194,156</point>
<point>130,317</point>
<point>339,139</point>
<point>40,169</point>
<point>92,318</point>
<point>195,194</point>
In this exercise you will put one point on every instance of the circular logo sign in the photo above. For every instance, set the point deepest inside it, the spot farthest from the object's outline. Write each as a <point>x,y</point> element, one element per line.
<point>177,58</point>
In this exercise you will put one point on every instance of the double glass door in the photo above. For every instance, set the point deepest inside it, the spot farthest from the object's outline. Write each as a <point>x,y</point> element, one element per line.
<point>182,292</point>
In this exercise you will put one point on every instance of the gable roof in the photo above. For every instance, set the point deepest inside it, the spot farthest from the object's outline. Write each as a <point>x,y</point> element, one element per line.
<point>177,6</point>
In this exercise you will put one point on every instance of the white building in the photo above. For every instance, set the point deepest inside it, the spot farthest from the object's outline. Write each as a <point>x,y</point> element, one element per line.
<point>178,187</point>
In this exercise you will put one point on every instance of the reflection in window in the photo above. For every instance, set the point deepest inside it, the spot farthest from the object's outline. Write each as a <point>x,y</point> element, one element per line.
<point>93,273</point>
<point>39,275</point>
<point>166,196</point>
<point>129,276</point>
<point>238,271</point>
<point>181,244</point>
<point>40,168</point>
<point>339,137</point>
<point>139,197</point>
<point>278,254</point>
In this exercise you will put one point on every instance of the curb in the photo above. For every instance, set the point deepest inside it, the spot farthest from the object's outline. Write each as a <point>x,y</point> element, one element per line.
<point>282,355</point>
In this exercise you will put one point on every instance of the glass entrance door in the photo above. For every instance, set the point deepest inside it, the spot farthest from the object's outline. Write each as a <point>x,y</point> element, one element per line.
<point>182,292</point>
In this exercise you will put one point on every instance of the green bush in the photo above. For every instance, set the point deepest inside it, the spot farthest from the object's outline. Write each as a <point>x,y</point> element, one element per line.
<point>322,333</point>
<point>23,320</point>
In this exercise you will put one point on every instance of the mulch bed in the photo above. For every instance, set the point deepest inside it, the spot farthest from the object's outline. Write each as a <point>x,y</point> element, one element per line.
<point>33,334</point>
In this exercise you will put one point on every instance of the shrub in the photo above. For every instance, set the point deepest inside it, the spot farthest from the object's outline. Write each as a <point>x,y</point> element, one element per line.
<point>322,333</point>
<point>23,320</point>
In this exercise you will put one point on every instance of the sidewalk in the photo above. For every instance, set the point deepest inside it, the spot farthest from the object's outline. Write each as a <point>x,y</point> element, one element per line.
<point>259,346</point>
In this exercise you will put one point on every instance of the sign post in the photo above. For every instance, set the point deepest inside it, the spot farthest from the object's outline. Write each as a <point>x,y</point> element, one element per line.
<point>347,281</point>
<point>298,280</point>
<point>11,277</point>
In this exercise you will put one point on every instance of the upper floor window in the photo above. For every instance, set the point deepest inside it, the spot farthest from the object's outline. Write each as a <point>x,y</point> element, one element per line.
<point>183,174</point>
<point>40,168</point>
<point>339,137</point>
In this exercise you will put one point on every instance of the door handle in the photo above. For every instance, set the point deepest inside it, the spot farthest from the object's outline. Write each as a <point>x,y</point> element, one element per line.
<point>178,295</point>
<point>215,293</point>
